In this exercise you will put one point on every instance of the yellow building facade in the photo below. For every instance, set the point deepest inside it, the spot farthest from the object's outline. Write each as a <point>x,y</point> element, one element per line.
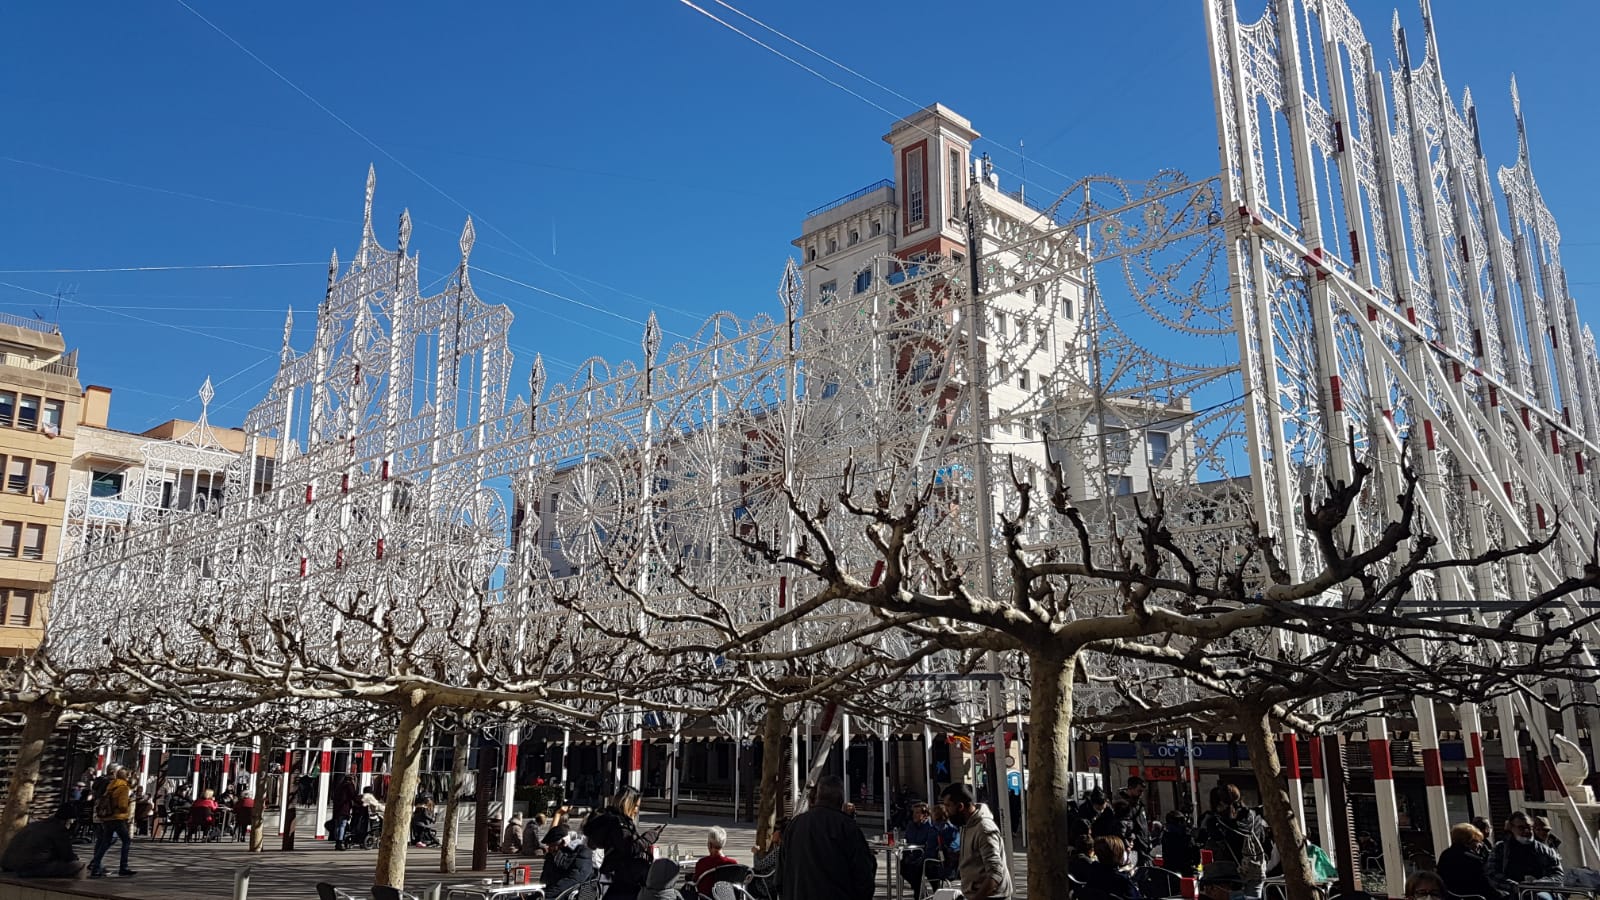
<point>40,398</point>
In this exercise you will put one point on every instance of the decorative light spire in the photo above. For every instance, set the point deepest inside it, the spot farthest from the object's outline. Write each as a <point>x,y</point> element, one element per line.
<point>536,379</point>
<point>652,339</point>
<point>469,236</point>
<point>405,230</point>
<point>288,332</point>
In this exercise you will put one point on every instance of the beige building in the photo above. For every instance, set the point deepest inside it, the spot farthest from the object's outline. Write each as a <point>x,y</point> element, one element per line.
<point>39,399</point>
<point>124,479</point>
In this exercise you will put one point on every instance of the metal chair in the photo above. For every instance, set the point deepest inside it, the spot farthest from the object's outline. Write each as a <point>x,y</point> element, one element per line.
<point>326,891</point>
<point>1153,881</point>
<point>593,889</point>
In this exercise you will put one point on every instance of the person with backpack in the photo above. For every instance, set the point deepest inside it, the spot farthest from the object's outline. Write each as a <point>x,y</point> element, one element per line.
<point>1236,835</point>
<point>627,852</point>
<point>112,809</point>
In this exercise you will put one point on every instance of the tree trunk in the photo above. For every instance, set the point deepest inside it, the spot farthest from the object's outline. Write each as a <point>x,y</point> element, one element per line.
<point>1287,834</point>
<point>1049,768</point>
<point>404,772</point>
<point>452,806</point>
<point>36,729</point>
<point>772,729</point>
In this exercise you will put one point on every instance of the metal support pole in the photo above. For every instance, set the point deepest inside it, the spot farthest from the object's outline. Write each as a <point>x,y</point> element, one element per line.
<point>255,770</point>
<point>194,774</point>
<point>144,763</point>
<point>1511,749</point>
<point>366,764</point>
<point>1291,773</point>
<point>1394,865</point>
<point>324,781</point>
<point>1319,789</point>
<point>1477,773</point>
<point>283,789</point>
<point>508,778</point>
<point>1433,775</point>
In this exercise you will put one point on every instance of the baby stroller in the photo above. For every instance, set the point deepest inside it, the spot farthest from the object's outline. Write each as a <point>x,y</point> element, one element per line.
<point>365,829</point>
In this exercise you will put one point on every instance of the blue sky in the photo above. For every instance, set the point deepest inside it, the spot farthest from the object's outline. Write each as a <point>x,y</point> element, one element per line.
<point>618,155</point>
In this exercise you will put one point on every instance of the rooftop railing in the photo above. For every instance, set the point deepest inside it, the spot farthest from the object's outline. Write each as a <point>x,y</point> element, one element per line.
<point>855,195</point>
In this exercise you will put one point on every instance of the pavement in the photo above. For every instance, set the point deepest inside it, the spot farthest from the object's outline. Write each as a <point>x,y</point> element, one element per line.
<point>190,871</point>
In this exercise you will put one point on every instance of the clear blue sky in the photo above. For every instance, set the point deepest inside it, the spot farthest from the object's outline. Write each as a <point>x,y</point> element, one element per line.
<point>625,154</point>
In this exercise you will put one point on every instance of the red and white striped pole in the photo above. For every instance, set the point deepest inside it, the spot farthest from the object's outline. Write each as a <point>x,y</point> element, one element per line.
<point>1388,807</point>
<point>508,788</point>
<point>1319,791</point>
<point>1477,773</point>
<point>283,789</point>
<point>255,767</point>
<point>324,777</point>
<point>1511,748</point>
<point>144,763</point>
<point>227,769</point>
<point>1290,763</point>
<point>366,764</point>
<point>194,773</point>
<point>1433,774</point>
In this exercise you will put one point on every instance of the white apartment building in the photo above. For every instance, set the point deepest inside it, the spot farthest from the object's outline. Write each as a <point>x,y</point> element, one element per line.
<point>1035,342</point>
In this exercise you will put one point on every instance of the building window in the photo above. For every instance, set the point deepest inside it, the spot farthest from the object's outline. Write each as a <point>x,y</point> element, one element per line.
<point>916,189</point>
<point>1000,324</point>
<point>1042,336</point>
<point>811,253</point>
<point>8,408</point>
<point>855,237</point>
<point>44,479</point>
<point>1119,485</point>
<point>863,280</point>
<point>1118,452</point>
<point>1044,385</point>
<point>922,367</point>
<point>16,607</point>
<point>105,484</point>
<point>33,541</point>
<point>1002,372</point>
<point>828,290</point>
<point>877,228</point>
<point>52,417</point>
<point>1022,378</point>
<point>28,413</point>
<point>17,476</point>
<point>955,184</point>
<point>833,245</point>
<point>10,532</point>
<point>1066,307</point>
<point>1160,444</point>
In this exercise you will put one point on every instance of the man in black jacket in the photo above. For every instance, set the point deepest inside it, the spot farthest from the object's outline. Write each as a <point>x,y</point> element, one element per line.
<point>825,855</point>
<point>43,849</point>
<point>568,861</point>
<point>1519,857</point>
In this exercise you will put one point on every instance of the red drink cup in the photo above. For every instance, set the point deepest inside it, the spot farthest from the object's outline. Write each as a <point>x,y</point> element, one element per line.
<point>1190,889</point>
<point>1205,857</point>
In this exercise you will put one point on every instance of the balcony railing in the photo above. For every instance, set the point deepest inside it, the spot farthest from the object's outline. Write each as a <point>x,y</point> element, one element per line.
<point>856,195</point>
<point>38,325</point>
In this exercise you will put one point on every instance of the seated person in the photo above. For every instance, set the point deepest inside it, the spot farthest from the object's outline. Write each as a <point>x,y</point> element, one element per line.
<point>704,870</point>
<point>203,814</point>
<point>1520,858</point>
<point>764,885</point>
<point>43,849</point>
<point>1543,834</point>
<point>658,881</point>
<point>1425,886</point>
<point>568,861</point>
<point>244,814</point>
<point>1461,865</point>
<point>422,833</point>
<point>949,841</point>
<point>1106,877</point>
<point>922,845</point>
<point>1082,857</point>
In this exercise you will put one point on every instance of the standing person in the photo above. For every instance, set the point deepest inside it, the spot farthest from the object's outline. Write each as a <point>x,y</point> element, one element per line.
<point>1105,876</point>
<point>112,810</point>
<point>985,871</point>
<point>1177,845</point>
<point>825,855</point>
<point>627,852</point>
<point>142,808</point>
<point>1235,834</point>
<point>344,803</point>
<point>511,842</point>
<point>43,848</point>
<point>1138,816</point>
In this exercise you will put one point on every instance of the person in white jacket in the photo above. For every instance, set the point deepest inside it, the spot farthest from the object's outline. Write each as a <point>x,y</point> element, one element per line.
<point>985,871</point>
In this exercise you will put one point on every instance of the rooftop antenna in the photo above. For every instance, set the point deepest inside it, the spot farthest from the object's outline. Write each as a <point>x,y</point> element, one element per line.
<point>1022,186</point>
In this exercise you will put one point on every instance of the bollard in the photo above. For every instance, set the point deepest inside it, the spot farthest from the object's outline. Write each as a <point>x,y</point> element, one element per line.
<point>241,883</point>
<point>434,891</point>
